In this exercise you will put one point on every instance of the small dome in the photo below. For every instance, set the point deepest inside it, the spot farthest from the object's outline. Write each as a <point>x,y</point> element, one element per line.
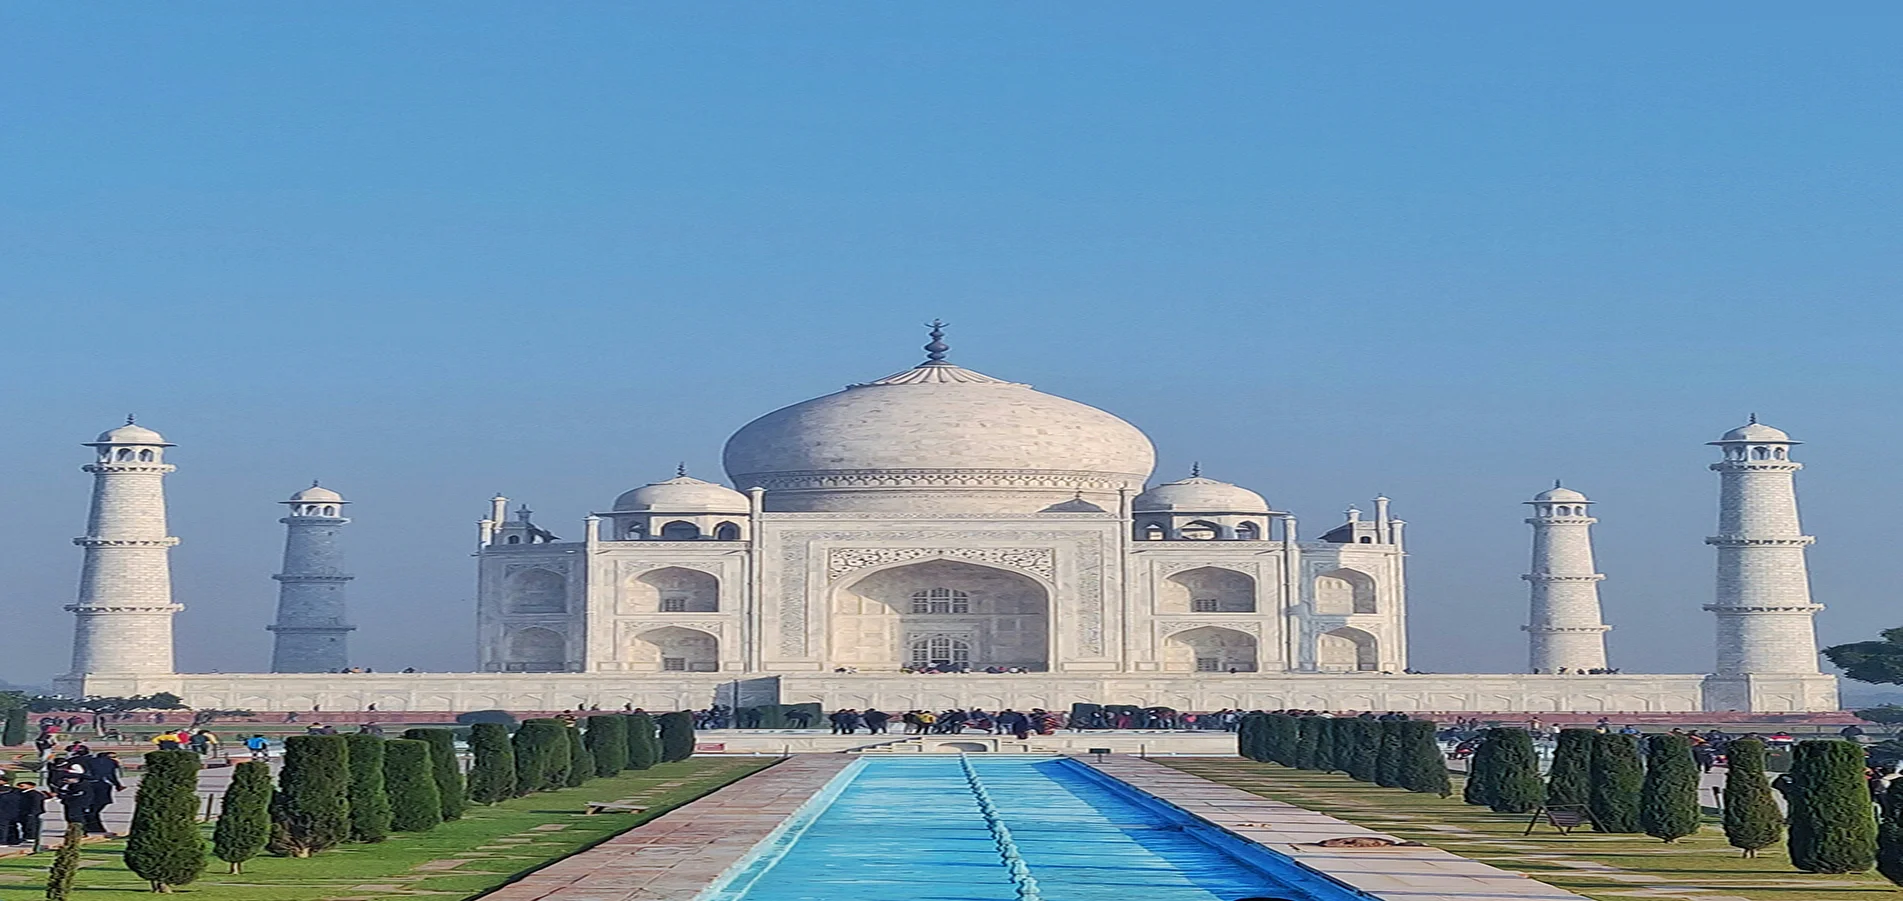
<point>683,494</point>
<point>1556,493</point>
<point>131,434</point>
<point>317,494</point>
<point>1756,431</point>
<point>1199,495</point>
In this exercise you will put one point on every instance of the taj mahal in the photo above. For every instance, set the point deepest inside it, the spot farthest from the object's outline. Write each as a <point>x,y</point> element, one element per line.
<point>940,537</point>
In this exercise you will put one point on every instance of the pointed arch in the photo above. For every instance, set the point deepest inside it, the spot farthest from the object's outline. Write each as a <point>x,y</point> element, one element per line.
<point>675,649</point>
<point>1209,649</point>
<point>1208,589</point>
<point>536,591</point>
<point>1347,650</point>
<point>674,589</point>
<point>536,650</point>
<point>1343,591</point>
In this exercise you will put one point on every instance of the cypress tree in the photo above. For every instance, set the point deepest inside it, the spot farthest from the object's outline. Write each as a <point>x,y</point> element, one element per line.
<point>1478,790</point>
<point>677,735</point>
<point>1668,799</point>
<point>581,763</point>
<point>1616,777</point>
<point>1752,820</point>
<point>1832,828</point>
<point>1516,782</point>
<point>310,811</point>
<point>244,820</point>
<point>1423,767</point>
<point>644,744</point>
<point>534,745</point>
<point>1246,730</point>
<point>1387,758</point>
<point>1307,738</point>
<point>415,805</point>
<point>492,774</point>
<point>13,733</point>
<point>1279,739</point>
<point>447,768</point>
<point>1890,834</point>
<point>1367,749</point>
<point>1569,779</point>
<point>369,802</point>
<point>65,869</point>
<point>1327,740</point>
<point>607,741</point>
<point>164,846</point>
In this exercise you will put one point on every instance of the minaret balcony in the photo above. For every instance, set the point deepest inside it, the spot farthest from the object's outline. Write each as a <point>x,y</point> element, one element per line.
<point>124,608</point>
<point>1548,630</point>
<point>125,542</point>
<point>1555,577</point>
<point>1743,541</point>
<point>1777,608</point>
<point>312,577</point>
<point>1756,466</point>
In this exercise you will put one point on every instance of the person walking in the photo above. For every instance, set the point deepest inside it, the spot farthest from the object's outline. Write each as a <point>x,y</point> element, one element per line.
<point>259,748</point>
<point>27,805</point>
<point>876,720</point>
<point>101,780</point>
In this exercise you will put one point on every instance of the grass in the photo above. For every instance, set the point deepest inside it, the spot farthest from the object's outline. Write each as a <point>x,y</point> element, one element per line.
<point>498,843</point>
<point>1602,867</point>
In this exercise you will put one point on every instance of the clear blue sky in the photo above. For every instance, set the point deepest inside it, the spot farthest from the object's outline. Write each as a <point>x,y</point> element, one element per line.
<point>429,251</point>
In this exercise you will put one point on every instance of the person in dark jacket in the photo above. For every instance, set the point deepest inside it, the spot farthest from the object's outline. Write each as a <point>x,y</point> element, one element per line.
<point>21,810</point>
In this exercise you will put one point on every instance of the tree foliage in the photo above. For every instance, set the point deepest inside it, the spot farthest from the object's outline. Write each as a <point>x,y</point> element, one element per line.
<point>244,819</point>
<point>310,811</point>
<point>536,766</point>
<point>492,773</point>
<point>1890,834</point>
<point>581,762</point>
<point>415,805</point>
<point>1423,767</point>
<point>1247,730</point>
<point>164,845</point>
<point>13,727</point>
<point>1307,742</point>
<point>1569,779</point>
<point>65,869</point>
<point>1668,798</point>
<point>1617,776</point>
<point>1832,827</point>
<point>1478,789</point>
<point>644,742</point>
<point>1387,758</point>
<point>447,768</point>
<point>1365,750</point>
<point>1752,820</point>
<point>607,742</point>
<point>677,735</point>
<point>1871,661</point>
<point>1516,773</point>
<point>369,800</point>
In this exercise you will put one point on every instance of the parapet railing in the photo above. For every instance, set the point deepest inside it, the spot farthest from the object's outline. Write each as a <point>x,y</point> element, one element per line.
<point>1000,833</point>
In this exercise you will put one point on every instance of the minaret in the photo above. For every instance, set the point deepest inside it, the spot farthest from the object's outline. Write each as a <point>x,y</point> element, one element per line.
<point>311,633</point>
<point>1763,599</point>
<point>124,612</point>
<point>1563,627</point>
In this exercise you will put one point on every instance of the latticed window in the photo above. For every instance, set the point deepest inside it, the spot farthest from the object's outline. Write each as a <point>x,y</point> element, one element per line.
<point>675,604</point>
<point>941,600</point>
<point>1204,605</point>
<point>1208,664</point>
<point>940,651</point>
<point>674,664</point>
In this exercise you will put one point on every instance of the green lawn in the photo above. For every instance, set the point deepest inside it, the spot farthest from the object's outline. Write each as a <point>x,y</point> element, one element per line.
<point>1603,867</point>
<point>495,843</point>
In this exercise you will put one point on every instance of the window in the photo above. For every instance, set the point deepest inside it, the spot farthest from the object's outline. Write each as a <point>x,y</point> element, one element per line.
<point>1248,531</point>
<point>726,531</point>
<point>1205,605</point>
<point>1152,532</point>
<point>1199,531</point>
<point>675,604</point>
<point>674,664</point>
<point>940,651</point>
<point>680,531</point>
<point>145,456</point>
<point>515,539</point>
<point>1367,539</point>
<point>941,600</point>
<point>1209,664</point>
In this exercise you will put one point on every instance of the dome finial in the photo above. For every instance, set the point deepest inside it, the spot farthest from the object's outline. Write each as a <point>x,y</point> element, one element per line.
<point>133,420</point>
<point>1754,419</point>
<point>1196,470</point>
<point>314,483</point>
<point>1556,484</point>
<point>935,351</point>
<point>680,472</point>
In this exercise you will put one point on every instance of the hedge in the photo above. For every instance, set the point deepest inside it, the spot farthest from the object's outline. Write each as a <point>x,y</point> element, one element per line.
<point>447,767</point>
<point>492,774</point>
<point>1387,758</point>
<point>1569,779</point>
<point>415,804</point>
<point>581,763</point>
<point>244,819</point>
<point>311,809</point>
<point>1327,744</point>
<point>677,735</point>
<point>164,845</point>
<point>369,801</point>
<point>607,741</point>
<point>1423,767</point>
<point>1307,741</point>
<point>644,743</point>
<point>537,769</point>
<point>1516,784</point>
<point>1366,749</point>
<point>1832,828</point>
<point>1752,818</point>
<point>1616,779</point>
<point>1668,798</point>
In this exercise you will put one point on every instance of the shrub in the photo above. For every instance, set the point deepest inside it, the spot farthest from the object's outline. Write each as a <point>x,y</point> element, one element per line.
<point>446,767</point>
<point>1246,731</point>
<point>13,731</point>
<point>677,735</point>
<point>1327,744</point>
<point>1752,820</point>
<point>1668,798</point>
<point>1478,790</point>
<point>1366,749</point>
<point>1423,767</point>
<point>1616,777</point>
<point>65,869</point>
<point>1281,734</point>
<point>1387,757</point>
<point>1307,741</point>
<point>1569,779</point>
<point>644,744</point>
<point>607,742</point>
<point>1890,834</point>
<point>164,845</point>
<point>369,802</point>
<point>415,805</point>
<point>536,742</point>
<point>492,774</point>
<point>581,763</point>
<point>244,820</point>
<point>501,718</point>
<point>1832,829</point>
<point>311,809</point>
<point>1516,777</point>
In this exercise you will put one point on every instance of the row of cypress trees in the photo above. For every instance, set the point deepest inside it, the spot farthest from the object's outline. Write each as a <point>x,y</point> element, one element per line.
<point>1392,754</point>
<point>360,788</point>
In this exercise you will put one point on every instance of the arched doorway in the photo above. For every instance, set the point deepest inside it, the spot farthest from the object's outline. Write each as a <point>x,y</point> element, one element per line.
<point>965,614</point>
<point>1343,591</point>
<point>674,589</point>
<point>1346,650</point>
<point>1208,589</point>
<point>1209,649</point>
<point>675,649</point>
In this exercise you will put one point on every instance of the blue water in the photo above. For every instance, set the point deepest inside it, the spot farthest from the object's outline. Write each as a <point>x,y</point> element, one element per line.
<point>913,830</point>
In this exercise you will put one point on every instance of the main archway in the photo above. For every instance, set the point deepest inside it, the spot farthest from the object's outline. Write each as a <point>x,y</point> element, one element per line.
<point>940,613</point>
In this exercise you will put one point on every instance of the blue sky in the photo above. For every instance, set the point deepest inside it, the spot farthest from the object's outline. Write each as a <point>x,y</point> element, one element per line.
<point>430,251</point>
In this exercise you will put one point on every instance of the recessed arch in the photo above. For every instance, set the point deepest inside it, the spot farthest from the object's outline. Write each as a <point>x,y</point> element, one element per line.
<point>727,531</point>
<point>1001,615</point>
<point>535,591</point>
<point>1344,591</point>
<point>674,589</point>
<point>1209,649</point>
<point>536,650</point>
<point>675,649</point>
<point>680,530</point>
<point>1347,650</point>
<point>1208,589</point>
<point>1199,530</point>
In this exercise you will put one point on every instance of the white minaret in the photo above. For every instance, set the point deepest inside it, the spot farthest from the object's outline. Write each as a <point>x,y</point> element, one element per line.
<point>124,612</point>
<point>1563,627</point>
<point>311,633</point>
<point>1767,645</point>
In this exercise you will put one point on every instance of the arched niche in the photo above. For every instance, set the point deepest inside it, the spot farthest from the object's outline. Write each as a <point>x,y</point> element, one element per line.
<point>674,589</point>
<point>1207,589</point>
<point>1346,650</point>
<point>535,591</point>
<point>1344,591</point>
<point>536,651</point>
<point>1209,649</point>
<point>675,649</point>
<point>1002,617</point>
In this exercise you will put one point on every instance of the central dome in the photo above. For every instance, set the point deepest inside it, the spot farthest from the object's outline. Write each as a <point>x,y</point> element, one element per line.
<point>938,438</point>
